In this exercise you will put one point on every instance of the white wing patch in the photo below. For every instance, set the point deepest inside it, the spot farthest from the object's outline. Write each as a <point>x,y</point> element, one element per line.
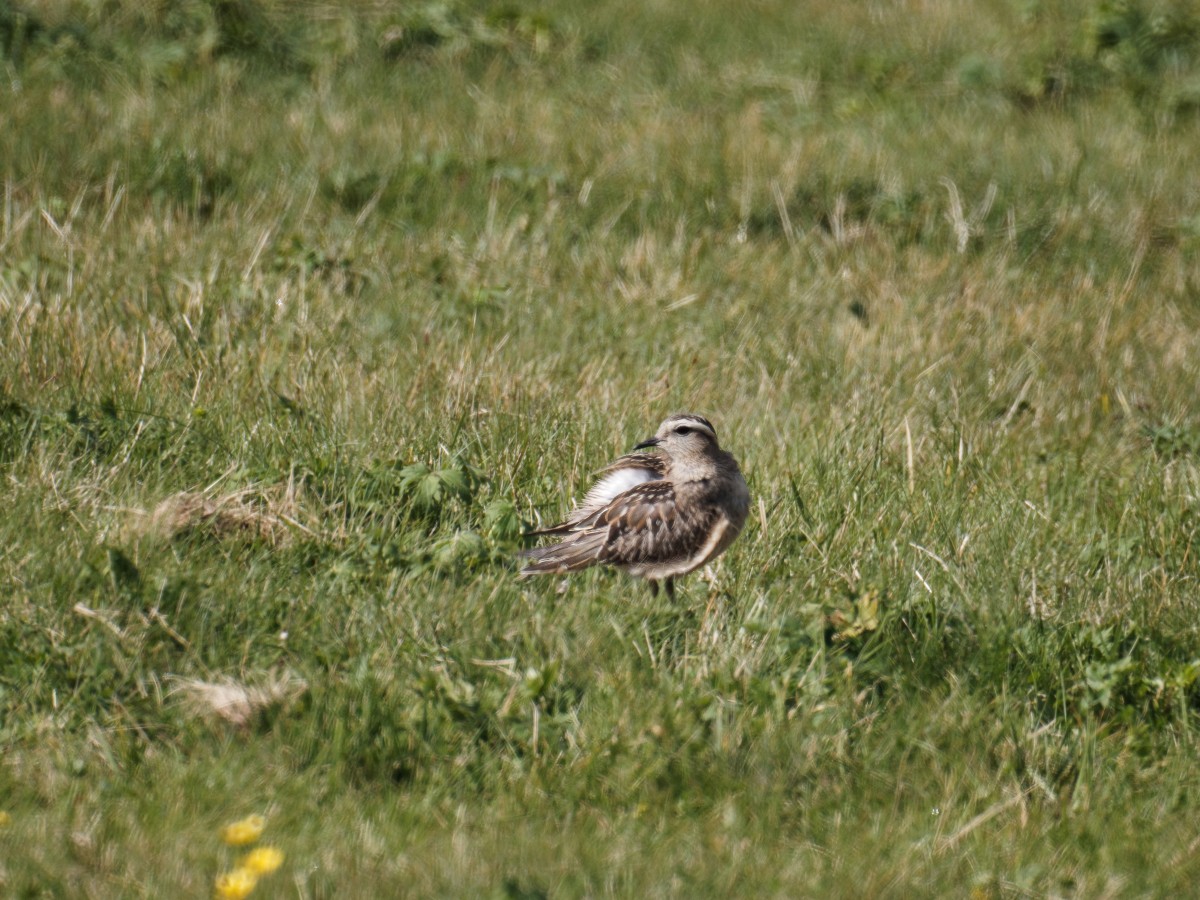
<point>616,482</point>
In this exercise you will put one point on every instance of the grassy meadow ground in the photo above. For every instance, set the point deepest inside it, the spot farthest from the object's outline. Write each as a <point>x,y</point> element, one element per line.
<point>306,310</point>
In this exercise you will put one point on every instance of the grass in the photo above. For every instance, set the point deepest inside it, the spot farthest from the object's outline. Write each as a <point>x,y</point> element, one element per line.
<point>307,311</point>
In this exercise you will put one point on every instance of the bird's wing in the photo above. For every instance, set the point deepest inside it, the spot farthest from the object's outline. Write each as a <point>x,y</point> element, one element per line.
<point>618,477</point>
<point>644,526</point>
<point>639,526</point>
<point>615,479</point>
<point>654,463</point>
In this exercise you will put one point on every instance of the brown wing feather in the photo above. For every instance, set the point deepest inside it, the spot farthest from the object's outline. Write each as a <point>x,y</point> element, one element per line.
<point>577,552</point>
<point>650,464</point>
<point>639,526</point>
<point>645,527</point>
<point>653,462</point>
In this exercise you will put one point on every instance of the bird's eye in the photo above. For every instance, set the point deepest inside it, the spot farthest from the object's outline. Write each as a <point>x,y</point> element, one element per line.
<point>683,429</point>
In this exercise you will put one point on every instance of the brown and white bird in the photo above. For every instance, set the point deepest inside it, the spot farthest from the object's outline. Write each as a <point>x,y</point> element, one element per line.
<point>655,515</point>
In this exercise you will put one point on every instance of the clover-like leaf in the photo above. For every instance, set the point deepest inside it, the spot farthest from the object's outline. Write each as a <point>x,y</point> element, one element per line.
<point>501,520</point>
<point>455,482</point>
<point>461,550</point>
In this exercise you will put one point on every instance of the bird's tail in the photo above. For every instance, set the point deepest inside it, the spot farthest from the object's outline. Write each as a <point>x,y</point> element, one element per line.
<point>560,528</point>
<point>568,556</point>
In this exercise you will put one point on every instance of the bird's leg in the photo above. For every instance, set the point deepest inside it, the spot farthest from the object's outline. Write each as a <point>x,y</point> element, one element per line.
<point>670,583</point>
<point>653,587</point>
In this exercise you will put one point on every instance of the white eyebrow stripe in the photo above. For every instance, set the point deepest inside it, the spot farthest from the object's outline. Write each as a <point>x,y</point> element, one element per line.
<point>692,422</point>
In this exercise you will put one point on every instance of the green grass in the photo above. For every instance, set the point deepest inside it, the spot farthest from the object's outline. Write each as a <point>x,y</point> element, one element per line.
<point>306,310</point>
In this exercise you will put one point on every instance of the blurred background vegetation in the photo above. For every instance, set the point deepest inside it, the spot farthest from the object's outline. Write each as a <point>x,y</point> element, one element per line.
<point>308,309</point>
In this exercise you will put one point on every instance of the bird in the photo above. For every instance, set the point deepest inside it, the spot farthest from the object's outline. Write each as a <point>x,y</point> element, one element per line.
<point>655,515</point>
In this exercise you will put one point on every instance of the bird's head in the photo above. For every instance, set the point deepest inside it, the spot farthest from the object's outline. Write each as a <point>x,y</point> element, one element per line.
<point>683,436</point>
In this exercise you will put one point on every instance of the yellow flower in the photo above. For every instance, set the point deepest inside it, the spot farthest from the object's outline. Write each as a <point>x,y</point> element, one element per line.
<point>263,860</point>
<point>235,885</point>
<point>243,832</point>
<point>5,819</point>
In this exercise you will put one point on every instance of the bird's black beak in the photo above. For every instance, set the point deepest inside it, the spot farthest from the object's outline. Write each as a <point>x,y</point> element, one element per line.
<point>648,442</point>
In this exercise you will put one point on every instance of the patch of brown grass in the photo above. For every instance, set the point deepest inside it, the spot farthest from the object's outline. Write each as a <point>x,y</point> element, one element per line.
<point>235,702</point>
<point>255,513</point>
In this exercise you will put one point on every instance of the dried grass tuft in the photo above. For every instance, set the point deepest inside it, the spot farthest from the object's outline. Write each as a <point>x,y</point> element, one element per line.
<point>234,702</point>
<point>268,514</point>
